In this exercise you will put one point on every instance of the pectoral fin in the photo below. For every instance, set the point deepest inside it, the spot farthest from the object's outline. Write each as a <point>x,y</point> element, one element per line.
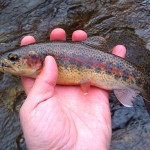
<point>126,96</point>
<point>33,59</point>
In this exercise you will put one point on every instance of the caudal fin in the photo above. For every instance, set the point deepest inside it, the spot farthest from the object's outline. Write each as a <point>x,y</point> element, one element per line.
<point>128,96</point>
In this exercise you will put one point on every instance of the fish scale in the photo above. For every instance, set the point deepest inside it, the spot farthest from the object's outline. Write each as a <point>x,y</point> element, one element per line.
<point>78,62</point>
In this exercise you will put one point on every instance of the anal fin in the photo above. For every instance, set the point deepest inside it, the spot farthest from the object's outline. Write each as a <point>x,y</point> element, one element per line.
<point>85,86</point>
<point>126,96</point>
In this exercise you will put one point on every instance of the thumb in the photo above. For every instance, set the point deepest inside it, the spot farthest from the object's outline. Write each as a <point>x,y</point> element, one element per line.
<point>44,85</point>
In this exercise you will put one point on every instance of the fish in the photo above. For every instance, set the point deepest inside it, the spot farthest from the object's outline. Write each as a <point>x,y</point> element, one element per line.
<point>83,63</point>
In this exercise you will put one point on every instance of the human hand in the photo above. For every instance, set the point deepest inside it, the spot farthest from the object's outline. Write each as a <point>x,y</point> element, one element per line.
<point>63,117</point>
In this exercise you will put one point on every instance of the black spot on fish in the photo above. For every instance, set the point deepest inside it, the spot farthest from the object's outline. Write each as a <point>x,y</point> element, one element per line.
<point>138,82</point>
<point>119,66</point>
<point>60,61</point>
<point>125,75</point>
<point>100,60</point>
<point>117,76</point>
<point>108,68</point>
<point>108,72</point>
<point>97,70</point>
<point>71,61</point>
<point>88,66</point>
<point>109,64</point>
<point>79,65</point>
<point>65,65</point>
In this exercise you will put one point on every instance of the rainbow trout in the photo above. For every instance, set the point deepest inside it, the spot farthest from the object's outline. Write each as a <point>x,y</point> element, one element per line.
<point>80,62</point>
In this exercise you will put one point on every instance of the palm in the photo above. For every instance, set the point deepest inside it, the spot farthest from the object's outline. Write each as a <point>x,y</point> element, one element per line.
<point>76,117</point>
<point>62,117</point>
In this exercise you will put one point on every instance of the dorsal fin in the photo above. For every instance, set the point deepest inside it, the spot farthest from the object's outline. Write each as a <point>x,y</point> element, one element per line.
<point>97,42</point>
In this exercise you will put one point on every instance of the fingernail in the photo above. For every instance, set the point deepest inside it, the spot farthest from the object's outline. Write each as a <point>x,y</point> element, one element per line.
<point>58,34</point>
<point>27,40</point>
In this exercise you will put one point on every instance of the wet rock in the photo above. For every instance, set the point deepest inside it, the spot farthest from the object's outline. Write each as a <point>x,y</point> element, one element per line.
<point>134,136</point>
<point>10,91</point>
<point>9,128</point>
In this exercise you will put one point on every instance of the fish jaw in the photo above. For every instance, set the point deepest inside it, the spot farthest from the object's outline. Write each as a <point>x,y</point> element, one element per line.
<point>19,68</point>
<point>21,63</point>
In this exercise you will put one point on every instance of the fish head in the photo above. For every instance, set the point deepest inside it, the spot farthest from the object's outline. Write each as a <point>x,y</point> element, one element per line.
<point>21,63</point>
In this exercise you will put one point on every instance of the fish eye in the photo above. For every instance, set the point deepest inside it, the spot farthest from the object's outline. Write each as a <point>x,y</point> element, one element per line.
<point>13,57</point>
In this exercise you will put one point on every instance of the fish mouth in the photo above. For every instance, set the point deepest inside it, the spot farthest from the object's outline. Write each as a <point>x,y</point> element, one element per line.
<point>17,68</point>
<point>6,65</point>
<point>3,65</point>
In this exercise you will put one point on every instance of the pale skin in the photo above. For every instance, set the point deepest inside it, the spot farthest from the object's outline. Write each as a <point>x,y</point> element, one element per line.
<point>55,117</point>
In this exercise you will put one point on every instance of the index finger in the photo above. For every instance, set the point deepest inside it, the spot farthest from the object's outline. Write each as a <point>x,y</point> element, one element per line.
<point>27,82</point>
